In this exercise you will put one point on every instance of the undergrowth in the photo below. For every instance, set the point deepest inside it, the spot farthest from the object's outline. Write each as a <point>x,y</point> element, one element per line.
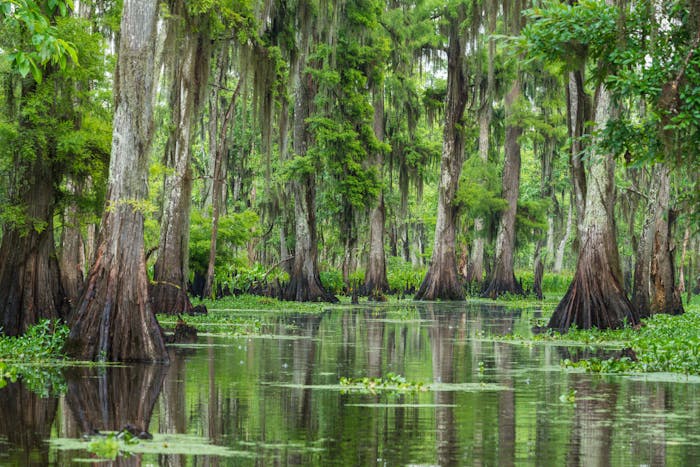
<point>34,358</point>
<point>663,343</point>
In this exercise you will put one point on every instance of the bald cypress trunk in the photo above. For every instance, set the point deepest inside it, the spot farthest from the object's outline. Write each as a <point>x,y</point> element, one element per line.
<point>503,278</point>
<point>30,288</point>
<point>190,71</point>
<point>596,296</point>
<point>72,258</point>
<point>577,114</point>
<point>475,270</point>
<point>665,297</point>
<point>113,319</point>
<point>441,280</point>
<point>305,280</point>
<point>375,279</point>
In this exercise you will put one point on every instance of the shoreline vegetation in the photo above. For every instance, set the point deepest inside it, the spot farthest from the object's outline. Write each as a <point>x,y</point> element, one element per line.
<point>661,344</point>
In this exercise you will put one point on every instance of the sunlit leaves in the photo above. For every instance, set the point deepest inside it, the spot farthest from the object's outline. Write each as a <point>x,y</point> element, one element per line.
<point>42,45</point>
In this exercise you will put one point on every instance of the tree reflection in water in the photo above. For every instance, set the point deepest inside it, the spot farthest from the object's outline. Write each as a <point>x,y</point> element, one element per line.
<point>108,399</point>
<point>25,422</point>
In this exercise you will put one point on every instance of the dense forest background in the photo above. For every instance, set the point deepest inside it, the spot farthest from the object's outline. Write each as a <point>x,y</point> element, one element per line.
<point>310,148</point>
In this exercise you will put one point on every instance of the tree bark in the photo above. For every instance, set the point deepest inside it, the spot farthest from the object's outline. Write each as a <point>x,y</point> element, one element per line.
<point>577,115</point>
<point>596,296</point>
<point>503,280</point>
<point>113,319</point>
<point>305,281</point>
<point>665,296</point>
<point>30,287</point>
<point>376,282</point>
<point>641,291</point>
<point>441,280</point>
<point>190,72</point>
<point>72,258</point>
<point>475,270</point>
<point>559,257</point>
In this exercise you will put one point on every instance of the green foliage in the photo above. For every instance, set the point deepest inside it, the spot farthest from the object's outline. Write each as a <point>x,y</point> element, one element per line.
<point>32,358</point>
<point>554,285</point>
<point>392,383</point>
<point>246,302</point>
<point>34,41</point>
<point>479,193</point>
<point>112,445</point>
<point>558,31</point>
<point>225,321</point>
<point>401,274</point>
<point>235,230</point>
<point>664,343</point>
<point>57,127</point>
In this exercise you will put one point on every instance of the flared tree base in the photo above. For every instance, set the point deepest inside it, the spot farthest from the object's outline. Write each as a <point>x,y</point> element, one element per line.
<point>499,287</point>
<point>440,284</point>
<point>301,289</point>
<point>595,299</point>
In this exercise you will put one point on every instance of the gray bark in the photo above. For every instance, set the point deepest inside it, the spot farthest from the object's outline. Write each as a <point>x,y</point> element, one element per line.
<point>596,297</point>
<point>503,280</point>
<point>190,71</point>
<point>375,279</point>
<point>441,280</point>
<point>113,319</point>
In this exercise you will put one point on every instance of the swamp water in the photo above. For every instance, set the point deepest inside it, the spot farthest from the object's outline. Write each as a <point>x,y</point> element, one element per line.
<point>277,399</point>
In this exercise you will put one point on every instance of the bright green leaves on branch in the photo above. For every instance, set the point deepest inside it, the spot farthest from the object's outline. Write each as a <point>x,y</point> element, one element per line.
<point>35,41</point>
<point>570,33</point>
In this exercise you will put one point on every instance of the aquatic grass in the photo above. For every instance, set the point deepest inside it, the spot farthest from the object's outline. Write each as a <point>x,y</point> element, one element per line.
<point>110,446</point>
<point>226,322</point>
<point>35,358</point>
<point>392,383</point>
<point>247,302</point>
<point>663,343</point>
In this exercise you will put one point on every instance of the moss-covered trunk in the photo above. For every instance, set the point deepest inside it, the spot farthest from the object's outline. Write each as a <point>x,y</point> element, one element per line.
<point>190,71</point>
<point>113,319</point>
<point>503,277</point>
<point>441,280</point>
<point>596,296</point>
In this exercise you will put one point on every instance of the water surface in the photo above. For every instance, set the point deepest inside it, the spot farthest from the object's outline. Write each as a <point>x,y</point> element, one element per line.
<point>275,399</point>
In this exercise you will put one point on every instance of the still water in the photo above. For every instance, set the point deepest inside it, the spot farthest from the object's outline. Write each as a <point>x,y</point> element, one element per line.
<point>275,399</point>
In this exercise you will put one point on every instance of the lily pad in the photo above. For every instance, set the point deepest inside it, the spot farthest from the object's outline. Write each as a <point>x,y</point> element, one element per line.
<point>162,444</point>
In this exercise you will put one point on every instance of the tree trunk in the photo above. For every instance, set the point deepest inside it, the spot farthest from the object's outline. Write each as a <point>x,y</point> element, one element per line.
<point>641,291</point>
<point>559,257</point>
<point>304,281</point>
<point>113,319</point>
<point>681,269</point>
<point>577,115</point>
<point>538,271</point>
<point>72,259</point>
<point>503,279</point>
<point>376,282</point>
<point>475,270</point>
<point>30,287</point>
<point>190,71</point>
<point>441,280</point>
<point>665,296</point>
<point>217,194</point>
<point>596,297</point>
